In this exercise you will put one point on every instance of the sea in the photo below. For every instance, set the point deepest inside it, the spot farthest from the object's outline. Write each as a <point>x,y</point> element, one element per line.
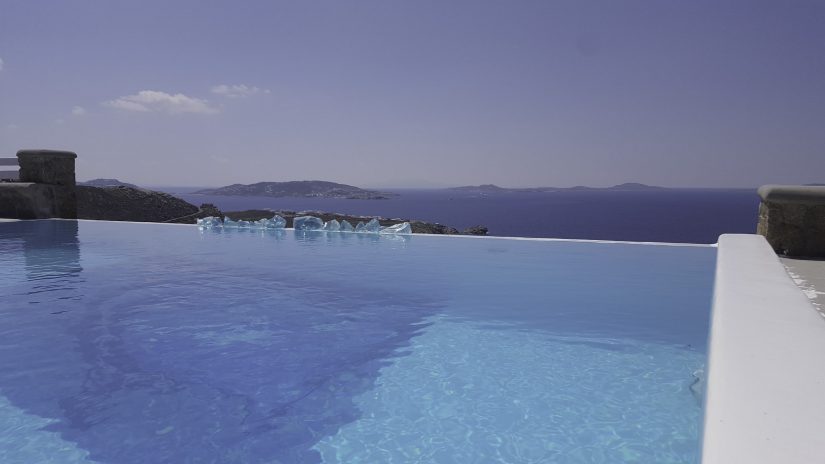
<point>661,215</point>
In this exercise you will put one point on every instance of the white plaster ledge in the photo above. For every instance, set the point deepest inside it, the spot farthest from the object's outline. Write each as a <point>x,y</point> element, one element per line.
<point>765,398</point>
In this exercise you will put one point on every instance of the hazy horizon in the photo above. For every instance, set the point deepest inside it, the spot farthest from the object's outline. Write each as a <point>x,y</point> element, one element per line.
<point>429,94</point>
<point>394,187</point>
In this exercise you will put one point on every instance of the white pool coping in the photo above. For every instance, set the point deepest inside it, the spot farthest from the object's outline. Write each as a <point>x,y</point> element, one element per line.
<point>765,396</point>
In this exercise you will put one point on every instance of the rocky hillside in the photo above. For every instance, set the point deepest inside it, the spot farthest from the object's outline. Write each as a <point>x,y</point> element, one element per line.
<point>301,188</point>
<point>130,204</point>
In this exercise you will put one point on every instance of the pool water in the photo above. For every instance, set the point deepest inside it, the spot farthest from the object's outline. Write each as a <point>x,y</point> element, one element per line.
<point>136,343</point>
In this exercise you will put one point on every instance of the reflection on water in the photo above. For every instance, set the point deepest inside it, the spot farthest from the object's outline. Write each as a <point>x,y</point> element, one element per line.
<point>52,257</point>
<point>151,357</point>
<point>50,251</point>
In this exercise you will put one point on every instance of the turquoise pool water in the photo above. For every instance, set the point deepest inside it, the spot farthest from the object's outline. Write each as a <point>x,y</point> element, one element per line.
<point>135,343</point>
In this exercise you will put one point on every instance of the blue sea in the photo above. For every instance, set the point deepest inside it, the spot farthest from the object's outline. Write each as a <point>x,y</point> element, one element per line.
<point>673,215</point>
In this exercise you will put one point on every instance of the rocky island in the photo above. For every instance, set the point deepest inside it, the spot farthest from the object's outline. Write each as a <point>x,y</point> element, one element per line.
<point>299,188</point>
<point>107,183</point>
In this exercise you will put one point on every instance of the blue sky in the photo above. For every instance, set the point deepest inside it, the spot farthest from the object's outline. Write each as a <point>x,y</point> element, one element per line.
<point>420,93</point>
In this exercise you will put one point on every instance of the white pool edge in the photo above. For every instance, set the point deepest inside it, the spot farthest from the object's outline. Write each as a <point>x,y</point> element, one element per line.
<point>765,394</point>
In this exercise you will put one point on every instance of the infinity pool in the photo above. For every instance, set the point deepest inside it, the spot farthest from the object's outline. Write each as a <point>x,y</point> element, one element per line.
<point>147,343</point>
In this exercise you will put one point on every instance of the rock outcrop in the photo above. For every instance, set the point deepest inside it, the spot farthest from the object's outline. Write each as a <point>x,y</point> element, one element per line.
<point>475,230</point>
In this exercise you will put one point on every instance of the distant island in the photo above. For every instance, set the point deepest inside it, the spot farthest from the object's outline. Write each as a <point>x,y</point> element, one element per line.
<point>299,188</point>
<point>107,183</point>
<point>491,188</point>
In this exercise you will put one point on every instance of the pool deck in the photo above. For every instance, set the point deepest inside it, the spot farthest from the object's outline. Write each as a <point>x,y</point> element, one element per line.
<point>809,275</point>
<point>763,401</point>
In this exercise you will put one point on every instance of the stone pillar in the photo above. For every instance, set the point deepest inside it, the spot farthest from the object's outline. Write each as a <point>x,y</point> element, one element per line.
<point>792,219</point>
<point>47,167</point>
<point>56,169</point>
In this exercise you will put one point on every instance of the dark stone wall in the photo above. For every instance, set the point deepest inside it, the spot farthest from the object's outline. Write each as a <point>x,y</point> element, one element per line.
<point>792,219</point>
<point>46,188</point>
<point>47,167</point>
<point>29,201</point>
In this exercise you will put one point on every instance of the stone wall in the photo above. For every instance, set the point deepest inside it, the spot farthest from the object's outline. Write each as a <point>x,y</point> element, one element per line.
<point>792,219</point>
<point>46,188</point>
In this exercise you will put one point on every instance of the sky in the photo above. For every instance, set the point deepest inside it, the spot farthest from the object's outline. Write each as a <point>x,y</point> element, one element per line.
<point>423,93</point>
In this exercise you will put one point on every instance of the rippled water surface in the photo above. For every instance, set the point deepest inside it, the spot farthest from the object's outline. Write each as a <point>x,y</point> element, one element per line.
<point>136,343</point>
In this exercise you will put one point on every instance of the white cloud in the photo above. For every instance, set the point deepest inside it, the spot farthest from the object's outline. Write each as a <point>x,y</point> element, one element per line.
<point>78,111</point>
<point>59,122</point>
<point>237,91</point>
<point>161,102</point>
<point>1,64</point>
<point>125,104</point>
<point>12,127</point>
